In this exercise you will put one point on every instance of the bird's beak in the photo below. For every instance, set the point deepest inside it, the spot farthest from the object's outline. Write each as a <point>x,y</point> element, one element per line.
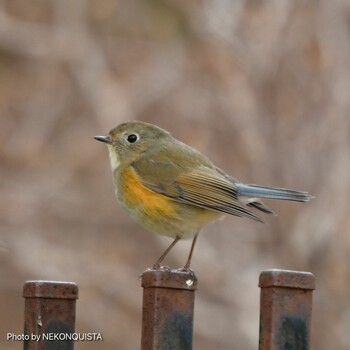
<point>105,139</point>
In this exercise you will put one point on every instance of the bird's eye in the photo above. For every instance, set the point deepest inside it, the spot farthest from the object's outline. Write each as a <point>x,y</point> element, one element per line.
<point>132,138</point>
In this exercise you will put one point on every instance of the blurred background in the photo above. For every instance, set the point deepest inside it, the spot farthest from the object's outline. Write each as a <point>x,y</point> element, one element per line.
<point>261,87</point>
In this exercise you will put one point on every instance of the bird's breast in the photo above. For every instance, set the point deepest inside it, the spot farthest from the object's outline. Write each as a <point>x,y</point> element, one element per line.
<point>157,212</point>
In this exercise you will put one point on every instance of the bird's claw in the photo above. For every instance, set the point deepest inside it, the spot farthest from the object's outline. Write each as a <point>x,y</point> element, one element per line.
<point>155,267</point>
<point>187,270</point>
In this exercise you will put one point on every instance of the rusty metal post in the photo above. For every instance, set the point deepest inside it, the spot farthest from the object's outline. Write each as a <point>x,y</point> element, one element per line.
<point>167,313</point>
<point>49,316</point>
<point>285,309</point>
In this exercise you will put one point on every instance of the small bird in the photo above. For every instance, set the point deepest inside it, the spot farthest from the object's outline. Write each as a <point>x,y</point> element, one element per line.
<point>173,190</point>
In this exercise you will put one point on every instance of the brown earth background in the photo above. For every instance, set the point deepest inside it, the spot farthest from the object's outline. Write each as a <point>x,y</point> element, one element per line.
<point>261,87</point>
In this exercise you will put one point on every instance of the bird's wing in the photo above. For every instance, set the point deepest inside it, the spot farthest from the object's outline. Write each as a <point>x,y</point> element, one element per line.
<point>202,186</point>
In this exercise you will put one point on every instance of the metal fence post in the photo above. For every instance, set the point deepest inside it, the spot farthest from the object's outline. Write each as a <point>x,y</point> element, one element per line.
<point>285,309</point>
<point>167,313</point>
<point>49,311</point>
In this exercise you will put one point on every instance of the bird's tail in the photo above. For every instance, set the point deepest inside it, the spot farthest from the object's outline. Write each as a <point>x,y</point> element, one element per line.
<point>256,191</point>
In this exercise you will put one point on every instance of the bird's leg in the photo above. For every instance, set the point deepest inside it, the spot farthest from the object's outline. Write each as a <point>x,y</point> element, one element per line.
<point>188,262</point>
<point>156,266</point>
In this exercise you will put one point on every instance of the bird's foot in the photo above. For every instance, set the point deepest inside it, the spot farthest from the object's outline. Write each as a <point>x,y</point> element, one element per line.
<point>158,267</point>
<point>155,267</point>
<point>188,270</point>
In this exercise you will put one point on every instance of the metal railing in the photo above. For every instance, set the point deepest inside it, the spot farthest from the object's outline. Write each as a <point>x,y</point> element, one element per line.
<point>168,309</point>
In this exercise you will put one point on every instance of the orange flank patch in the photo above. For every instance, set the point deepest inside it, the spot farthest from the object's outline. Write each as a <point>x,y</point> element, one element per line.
<point>137,196</point>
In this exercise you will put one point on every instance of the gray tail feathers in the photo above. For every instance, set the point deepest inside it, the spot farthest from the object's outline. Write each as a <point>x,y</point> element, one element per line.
<point>256,191</point>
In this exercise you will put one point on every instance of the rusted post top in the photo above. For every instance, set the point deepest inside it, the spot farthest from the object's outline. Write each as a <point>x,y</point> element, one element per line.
<point>49,315</point>
<point>50,290</point>
<point>287,279</point>
<point>173,279</point>
<point>167,315</point>
<point>285,309</point>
